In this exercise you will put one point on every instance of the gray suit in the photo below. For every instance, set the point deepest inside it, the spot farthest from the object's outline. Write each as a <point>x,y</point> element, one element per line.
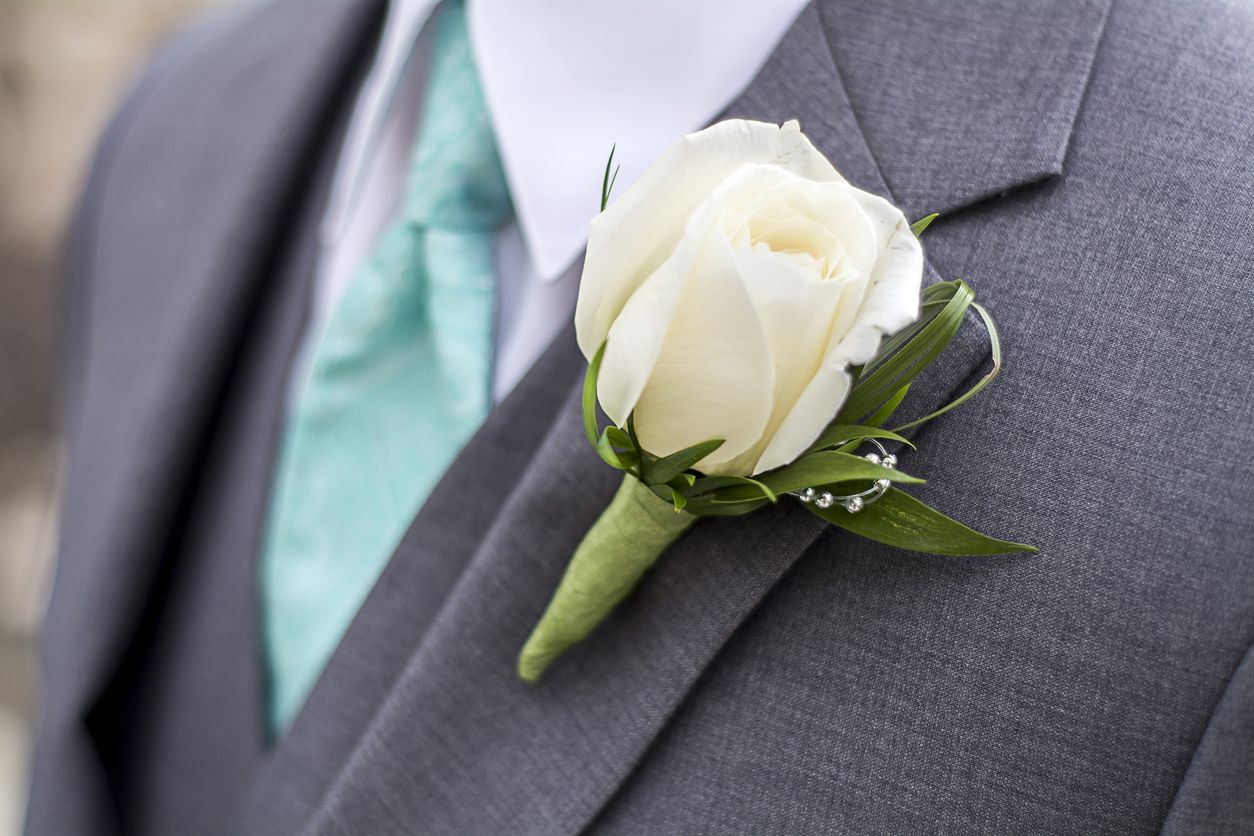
<point>1091,162</point>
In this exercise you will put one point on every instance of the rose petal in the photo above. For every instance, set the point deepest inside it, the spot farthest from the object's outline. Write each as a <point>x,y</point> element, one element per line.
<point>796,308</point>
<point>717,379</point>
<point>636,337</point>
<point>639,230</point>
<point>891,302</point>
<point>814,410</point>
<point>771,194</point>
<point>635,340</point>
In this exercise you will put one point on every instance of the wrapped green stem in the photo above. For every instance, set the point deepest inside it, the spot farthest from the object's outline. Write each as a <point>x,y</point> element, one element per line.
<point>624,542</point>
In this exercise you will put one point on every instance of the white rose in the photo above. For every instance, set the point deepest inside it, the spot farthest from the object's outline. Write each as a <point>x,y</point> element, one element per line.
<point>736,283</point>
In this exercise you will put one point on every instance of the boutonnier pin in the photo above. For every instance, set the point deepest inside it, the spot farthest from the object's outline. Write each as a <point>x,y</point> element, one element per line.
<point>751,322</point>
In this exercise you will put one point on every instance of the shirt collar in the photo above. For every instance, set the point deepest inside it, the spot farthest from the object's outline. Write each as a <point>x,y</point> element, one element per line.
<point>566,80</point>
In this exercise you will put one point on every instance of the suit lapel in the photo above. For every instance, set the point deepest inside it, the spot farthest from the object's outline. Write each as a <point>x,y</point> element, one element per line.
<point>177,271</point>
<point>990,118</point>
<point>420,718</point>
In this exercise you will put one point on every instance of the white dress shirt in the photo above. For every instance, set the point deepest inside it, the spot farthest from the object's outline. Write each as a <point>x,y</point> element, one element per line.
<point>564,81</point>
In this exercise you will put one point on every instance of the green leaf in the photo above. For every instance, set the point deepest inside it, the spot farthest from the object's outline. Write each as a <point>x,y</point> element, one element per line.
<point>713,508</point>
<point>906,354</point>
<point>822,468</point>
<point>621,459</point>
<point>881,415</point>
<point>607,182</point>
<point>683,481</point>
<point>613,180</point>
<point>890,406</point>
<point>995,349</point>
<point>707,484</point>
<point>590,396</point>
<point>667,468</point>
<point>935,300</point>
<point>900,520</point>
<point>837,434</point>
<point>923,223</point>
<point>631,431</point>
<point>619,438</point>
<point>679,499</point>
<point>704,507</point>
<point>713,484</point>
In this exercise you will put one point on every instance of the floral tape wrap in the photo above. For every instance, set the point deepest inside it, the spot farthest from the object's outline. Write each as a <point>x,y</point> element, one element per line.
<point>612,558</point>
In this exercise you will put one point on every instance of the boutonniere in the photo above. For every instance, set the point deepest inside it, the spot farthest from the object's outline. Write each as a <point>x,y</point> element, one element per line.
<point>751,321</point>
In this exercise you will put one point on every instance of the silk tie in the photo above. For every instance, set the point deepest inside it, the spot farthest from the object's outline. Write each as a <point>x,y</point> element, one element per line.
<point>398,381</point>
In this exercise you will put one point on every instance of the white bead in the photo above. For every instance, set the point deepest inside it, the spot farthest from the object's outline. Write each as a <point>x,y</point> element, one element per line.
<point>882,484</point>
<point>853,504</point>
<point>889,461</point>
<point>825,500</point>
<point>807,495</point>
<point>873,458</point>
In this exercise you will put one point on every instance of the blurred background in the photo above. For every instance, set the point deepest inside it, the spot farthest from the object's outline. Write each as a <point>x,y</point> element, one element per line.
<point>63,66</point>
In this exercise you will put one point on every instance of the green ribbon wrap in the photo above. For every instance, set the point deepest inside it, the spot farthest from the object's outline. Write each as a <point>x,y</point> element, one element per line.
<point>624,542</point>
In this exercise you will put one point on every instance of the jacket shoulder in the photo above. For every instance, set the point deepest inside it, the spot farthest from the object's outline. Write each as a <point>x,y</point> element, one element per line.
<point>216,101</point>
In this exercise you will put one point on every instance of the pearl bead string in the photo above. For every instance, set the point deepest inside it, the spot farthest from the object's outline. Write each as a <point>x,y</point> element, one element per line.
<point>853,503</point>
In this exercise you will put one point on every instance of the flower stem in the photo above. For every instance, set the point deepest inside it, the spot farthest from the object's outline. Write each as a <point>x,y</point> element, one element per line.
<point>624,542</point>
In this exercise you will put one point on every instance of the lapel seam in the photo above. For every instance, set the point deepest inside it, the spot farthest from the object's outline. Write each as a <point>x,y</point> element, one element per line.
<point>1100,40</point>
<point>1019,138</point>
<point>830,55</point>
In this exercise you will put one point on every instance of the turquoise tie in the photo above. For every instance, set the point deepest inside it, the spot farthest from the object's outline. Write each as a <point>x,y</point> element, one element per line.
<point>400,379</point>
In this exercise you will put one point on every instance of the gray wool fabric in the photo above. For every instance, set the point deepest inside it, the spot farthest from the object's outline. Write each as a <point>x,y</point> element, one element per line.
<point>771,674</point>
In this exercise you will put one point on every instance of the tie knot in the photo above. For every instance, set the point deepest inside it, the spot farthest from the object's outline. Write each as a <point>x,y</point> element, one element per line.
<point>456,180</point>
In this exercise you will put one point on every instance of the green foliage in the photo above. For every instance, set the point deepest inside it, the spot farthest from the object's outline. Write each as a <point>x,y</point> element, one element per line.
<point>849,435</point>
<point>830,463</point>
<point>905,355</point>
<point>679,499</point>
<point>612,451</point>
<point>995,350</point>
<point>708,507</point>
<point>716,487</point>
<point>826,467</point>
<point>590,396</point>
<point>923,223</point>
<point>660,471</point>
<point>890,406</point>
<point>900,520</point>
<point>608,181</point>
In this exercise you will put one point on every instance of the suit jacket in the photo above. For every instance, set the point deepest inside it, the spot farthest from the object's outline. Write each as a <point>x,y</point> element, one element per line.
<point>1090,161</point>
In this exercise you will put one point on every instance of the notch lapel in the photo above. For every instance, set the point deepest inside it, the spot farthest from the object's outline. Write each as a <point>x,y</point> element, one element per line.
<point>449,740</point>
<point>956,110</point>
